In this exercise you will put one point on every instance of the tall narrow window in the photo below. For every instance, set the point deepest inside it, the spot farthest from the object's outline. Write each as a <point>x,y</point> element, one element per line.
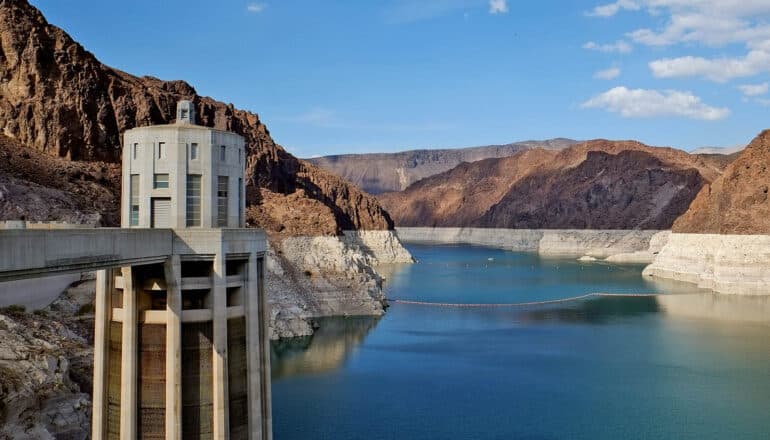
<point>160,181</point>
<point>135,151</point>
<point>223,153</point>
<point>222,183</point>
<point>133,215</point>
<point>193,200</point>
<point>240,203</point>
<point>161,150</point>
<point>193,151</point>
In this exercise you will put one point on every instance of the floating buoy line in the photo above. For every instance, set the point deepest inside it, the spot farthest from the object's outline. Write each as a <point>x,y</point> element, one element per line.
<point>526,304</point>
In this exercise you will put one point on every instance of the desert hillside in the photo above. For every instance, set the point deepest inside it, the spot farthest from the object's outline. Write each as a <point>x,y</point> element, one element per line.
<point>737,202</point>
<point>593,185</point>
<point>57,98</point>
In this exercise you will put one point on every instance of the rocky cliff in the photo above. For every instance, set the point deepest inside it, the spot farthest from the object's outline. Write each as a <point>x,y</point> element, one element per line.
<point>57,98</point>
<point>384,172</point>
<point>593,185</point>
<point>737,202</point>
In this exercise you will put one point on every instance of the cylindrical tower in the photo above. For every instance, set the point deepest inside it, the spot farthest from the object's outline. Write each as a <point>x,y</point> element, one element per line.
<point>181,348</point>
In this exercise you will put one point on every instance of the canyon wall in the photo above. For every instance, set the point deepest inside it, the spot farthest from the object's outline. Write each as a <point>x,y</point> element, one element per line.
<point>721,242</point>
<point>593,185</point>
<point>633,246</point>
<point>314,277</point>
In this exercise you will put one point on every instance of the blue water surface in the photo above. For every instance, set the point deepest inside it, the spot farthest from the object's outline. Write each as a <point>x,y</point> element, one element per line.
<point>603,368</point>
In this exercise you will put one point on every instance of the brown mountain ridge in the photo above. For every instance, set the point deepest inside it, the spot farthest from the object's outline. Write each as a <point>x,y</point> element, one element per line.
<point>737,202</point>
<point>593,185</point>
<point>57,98</point>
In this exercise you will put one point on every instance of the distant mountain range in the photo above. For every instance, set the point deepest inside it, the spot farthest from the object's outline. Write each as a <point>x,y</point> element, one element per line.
<point>593,185</point>
<point>718,150</point>
<point>377,173</point>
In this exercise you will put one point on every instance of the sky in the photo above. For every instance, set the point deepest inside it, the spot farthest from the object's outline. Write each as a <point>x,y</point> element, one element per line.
<point>354,76</point>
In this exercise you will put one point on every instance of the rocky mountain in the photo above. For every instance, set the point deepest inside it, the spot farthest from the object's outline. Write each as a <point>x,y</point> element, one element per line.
<point>384,172</point>
<point>57,98</point>
<point>593,185</point>
<point>737,202</point>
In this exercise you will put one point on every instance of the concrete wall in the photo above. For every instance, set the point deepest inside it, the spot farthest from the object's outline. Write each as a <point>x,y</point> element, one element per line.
<point>621,245</point>
<point>35,253</point>
<point>177,164</point>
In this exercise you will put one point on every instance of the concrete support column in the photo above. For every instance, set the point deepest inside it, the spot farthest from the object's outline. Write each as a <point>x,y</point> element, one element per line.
<point>219,365</point>
<point>264,350</point>
<point>128,376</point>
<point>105,284</point>
<point>258,354</point>
<point>173,274</point>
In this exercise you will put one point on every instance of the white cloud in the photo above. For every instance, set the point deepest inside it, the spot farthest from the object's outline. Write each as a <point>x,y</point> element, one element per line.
<point>608,74</point>
<point>645,103</point>
<point>754,89</point>
<point>714,69</point>
<point>611,9</point>
<point>498,6</point>
<point>708,23</point>
<point>619,46</point>
<point>256,8</point>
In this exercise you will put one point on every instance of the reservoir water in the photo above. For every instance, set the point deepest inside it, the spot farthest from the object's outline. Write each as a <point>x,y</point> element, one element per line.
<point>687,365</point>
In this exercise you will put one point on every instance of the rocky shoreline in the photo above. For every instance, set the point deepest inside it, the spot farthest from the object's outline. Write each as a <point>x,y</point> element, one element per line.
<point>728,264</point>
<point>617,246</point>
<point>316,277</point>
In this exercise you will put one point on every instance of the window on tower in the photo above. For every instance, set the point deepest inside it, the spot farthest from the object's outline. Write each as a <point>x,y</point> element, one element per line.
<point>133,215</point>
<point>193,200</point>
<point>222,184</point>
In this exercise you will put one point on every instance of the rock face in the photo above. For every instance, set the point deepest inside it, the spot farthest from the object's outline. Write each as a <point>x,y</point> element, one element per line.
<point>730,264</point>
<point>594,185</point>
<point>314,277</point>
<point>385,172</point>
<point>36,186</point>
<point>737,202</point>
<point>57,98</point>
<point>45,370</point>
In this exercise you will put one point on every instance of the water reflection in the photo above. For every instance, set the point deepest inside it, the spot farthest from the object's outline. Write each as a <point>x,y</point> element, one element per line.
<point>599,310</point>
<point>323,352</point>
<point>733,308</point>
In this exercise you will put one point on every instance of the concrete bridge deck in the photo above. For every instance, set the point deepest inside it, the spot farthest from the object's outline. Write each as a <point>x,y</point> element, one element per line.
<point>31,253</point>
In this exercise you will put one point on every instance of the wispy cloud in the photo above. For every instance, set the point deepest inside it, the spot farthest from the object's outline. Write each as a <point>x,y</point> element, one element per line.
<point>608,74</point>
<point>645,103</point>
<point>256,8</point>
<point>619,46</point>
<point>754,89</point>
<point>715,69</point>
<point>321,117</point>
<point>706,23</point>
<point>611,9</point>
<point>498,6</point>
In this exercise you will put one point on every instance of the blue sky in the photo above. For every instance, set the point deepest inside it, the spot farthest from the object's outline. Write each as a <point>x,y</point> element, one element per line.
<point>359,76</point>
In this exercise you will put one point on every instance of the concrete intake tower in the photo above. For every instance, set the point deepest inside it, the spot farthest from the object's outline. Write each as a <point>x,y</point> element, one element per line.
<point>181,346</point>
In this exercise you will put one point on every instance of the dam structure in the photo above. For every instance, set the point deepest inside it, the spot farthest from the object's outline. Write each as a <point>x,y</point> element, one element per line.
<point>181,347</point>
